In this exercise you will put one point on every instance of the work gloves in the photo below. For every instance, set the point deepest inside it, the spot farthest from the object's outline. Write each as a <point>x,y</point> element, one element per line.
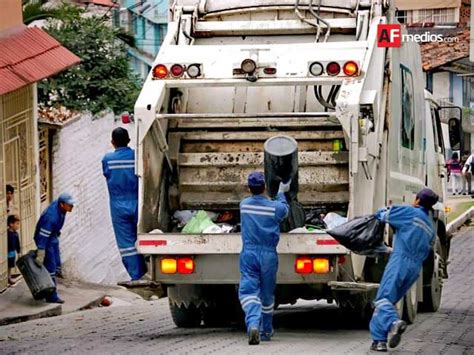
<point>284,187</point>
<point>39,260</point>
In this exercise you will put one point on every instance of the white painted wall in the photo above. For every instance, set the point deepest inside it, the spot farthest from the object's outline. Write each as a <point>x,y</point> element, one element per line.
<point>88,247</point>
<point>441,85</point>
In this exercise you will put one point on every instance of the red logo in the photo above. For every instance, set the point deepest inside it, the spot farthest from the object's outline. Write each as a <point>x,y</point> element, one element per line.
<point>389,36</point>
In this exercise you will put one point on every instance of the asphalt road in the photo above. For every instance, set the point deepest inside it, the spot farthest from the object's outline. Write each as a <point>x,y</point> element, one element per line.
<point>308,327</point>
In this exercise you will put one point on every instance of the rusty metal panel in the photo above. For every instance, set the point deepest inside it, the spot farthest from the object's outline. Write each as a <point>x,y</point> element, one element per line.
<point>250,146</point>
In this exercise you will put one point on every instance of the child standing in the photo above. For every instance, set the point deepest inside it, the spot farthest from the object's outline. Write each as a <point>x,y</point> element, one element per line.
<point>13,223</point>
<point>454,172</point>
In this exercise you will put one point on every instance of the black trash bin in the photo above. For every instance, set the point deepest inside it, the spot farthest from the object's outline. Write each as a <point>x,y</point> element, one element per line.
<point>281,164</point>
<point>37,278</point>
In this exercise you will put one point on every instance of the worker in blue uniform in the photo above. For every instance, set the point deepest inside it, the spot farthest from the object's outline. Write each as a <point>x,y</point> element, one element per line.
<point>415,235</point>
<point>47,232</point>
<point>260,228</point>
<point>118,168</point>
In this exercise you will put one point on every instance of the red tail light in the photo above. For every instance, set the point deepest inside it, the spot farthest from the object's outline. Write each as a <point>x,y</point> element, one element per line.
<point>333,68</point>
<point>185,265</point>
<point>350,68</point>
<point>160,71</point>
<point>269,71</point>
<point>304,265</point>
<point>177,70</point>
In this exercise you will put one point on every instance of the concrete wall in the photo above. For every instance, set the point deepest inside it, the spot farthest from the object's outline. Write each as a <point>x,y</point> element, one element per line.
<point>441,85</point>
<point>88,247</point>
<point>10,14</point>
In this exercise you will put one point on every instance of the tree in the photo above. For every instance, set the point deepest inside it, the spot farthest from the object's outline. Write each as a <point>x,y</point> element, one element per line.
<point>36,10</point>
<point>103,80</point>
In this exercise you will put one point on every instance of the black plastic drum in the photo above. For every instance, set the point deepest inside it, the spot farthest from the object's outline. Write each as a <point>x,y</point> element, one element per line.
<point>281,164</point>
<point>37,278</point>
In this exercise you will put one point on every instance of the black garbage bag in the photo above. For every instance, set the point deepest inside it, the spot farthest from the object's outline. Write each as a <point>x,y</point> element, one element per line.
<point>362,235</point>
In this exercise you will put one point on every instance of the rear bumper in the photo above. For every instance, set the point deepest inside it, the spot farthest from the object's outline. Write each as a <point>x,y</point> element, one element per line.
<point>205,244</point>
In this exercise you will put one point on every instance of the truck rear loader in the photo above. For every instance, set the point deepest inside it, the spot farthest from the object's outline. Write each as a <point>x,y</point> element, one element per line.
<point>232,74</point>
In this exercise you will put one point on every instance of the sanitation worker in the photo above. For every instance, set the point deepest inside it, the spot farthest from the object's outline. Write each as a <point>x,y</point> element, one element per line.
<point>260,221</point>
<point>47,232</point>
<point>414,238</point>
<point>119,170</point>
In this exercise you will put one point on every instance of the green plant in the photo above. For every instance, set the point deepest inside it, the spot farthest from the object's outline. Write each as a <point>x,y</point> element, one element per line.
<point>103,80</point>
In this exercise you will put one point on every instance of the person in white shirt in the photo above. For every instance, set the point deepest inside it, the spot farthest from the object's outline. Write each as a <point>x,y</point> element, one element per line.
<point>467,174</point>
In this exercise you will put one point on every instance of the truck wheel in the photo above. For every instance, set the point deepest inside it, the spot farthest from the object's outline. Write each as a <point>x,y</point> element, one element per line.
<point>410,307</point>
<point>185,317</point>
<point>432,291</point>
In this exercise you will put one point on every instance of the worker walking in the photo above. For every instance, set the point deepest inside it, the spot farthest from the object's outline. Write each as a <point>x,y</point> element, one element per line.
<point>414,238</point>
<point>47,232</point>
<point>119,170</point>
<point>260,221</point>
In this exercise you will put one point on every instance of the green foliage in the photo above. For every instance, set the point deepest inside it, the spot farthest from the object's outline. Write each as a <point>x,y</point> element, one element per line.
<point>35,10</point>
<point>103,80</point>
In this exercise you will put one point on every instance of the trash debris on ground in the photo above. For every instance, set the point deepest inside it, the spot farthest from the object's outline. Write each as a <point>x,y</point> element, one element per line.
<point>333,220</point>
<point>362,235</point>
<point>106,301</point>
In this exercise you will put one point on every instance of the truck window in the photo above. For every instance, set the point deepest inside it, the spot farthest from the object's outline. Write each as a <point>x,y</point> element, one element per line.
<point>437,130</point>
<point>408,109</point>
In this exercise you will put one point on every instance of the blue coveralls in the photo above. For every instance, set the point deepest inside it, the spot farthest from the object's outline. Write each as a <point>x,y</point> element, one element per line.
<point>119,170</point>
<point>415,235</point>
<point>260,220</point>
<point>46,238</point>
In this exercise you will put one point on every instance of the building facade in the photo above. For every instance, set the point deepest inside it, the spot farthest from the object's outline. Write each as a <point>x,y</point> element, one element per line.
<point>147,21</point>
<point>448,69</point>
<point>27,55</point>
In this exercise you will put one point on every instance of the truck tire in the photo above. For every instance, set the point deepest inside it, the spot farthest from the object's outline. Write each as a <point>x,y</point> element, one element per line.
<point>432,290</point>
<point>185,317</point>
<point>410,305</point>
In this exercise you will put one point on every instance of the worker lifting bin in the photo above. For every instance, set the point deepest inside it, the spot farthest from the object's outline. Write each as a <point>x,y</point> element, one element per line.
<point>36,277</point>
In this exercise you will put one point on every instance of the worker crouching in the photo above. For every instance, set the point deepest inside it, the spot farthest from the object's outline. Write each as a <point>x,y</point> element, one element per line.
<point>415,235</point>
<point>260,224</point>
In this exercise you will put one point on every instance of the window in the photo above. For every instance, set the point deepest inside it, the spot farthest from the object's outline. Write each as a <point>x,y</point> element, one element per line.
<point>437,15</point>
<point>405,16</point>
<point>408,109</point>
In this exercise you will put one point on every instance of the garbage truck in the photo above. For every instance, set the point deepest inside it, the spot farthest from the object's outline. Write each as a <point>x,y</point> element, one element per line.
<point>232,74</point>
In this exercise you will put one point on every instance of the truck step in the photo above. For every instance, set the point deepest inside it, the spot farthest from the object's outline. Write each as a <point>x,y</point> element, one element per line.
<point>230,200</point>
<point>255,160</point>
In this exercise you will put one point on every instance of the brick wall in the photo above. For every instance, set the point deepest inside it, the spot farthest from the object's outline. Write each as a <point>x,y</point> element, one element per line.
<point>88,245</point>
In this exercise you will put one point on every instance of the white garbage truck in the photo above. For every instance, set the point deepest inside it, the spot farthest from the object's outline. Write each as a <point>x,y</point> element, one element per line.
<point>232,74</point>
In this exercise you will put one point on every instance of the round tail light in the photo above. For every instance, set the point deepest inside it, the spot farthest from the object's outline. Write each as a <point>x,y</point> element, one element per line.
<point>177,70</point>
<point>248,66</point>
<point>333,68</point>
<point>193,70</point>
<point>350,68</point>
<point>316,69</point>
<point>160,71</point>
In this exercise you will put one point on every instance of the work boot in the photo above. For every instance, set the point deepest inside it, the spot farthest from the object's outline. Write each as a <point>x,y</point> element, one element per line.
<point>395,333</point>
<point>266,336</point>
<point>55,300</point>
<point>254,336</point>
<point>379,346</point>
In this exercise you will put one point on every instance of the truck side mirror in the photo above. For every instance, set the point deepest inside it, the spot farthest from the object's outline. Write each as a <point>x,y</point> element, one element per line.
<point>454,126</point>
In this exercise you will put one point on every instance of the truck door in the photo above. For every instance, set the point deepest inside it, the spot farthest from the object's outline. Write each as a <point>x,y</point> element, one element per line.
<point>437,171</point>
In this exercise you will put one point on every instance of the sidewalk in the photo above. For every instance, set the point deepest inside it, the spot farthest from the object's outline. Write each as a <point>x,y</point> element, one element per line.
<point>17,304</point>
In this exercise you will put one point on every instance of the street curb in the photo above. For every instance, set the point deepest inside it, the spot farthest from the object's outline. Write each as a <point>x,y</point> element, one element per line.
<point>56,311</point>
<point>458,222</point>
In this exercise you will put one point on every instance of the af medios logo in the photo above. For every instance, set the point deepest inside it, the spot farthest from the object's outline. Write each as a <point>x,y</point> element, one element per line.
<point>389,35</point>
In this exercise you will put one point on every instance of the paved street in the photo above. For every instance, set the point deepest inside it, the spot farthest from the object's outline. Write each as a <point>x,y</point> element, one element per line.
<point>306,328</point>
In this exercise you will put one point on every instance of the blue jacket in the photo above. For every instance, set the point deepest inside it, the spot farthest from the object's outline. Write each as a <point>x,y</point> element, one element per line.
<point>13,241</point>
<point>49,225</point>
<point>260,219</point>
<point>415,231</point>
<point>118,168</point>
